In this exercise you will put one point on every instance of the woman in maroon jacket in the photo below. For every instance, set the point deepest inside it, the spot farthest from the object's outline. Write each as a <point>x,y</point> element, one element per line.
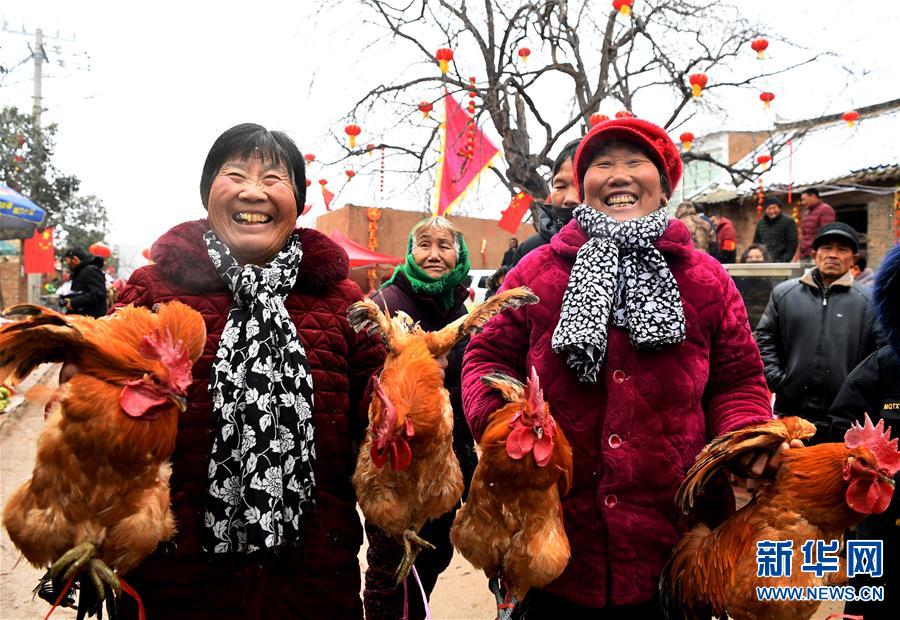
<point>261,492</point>
<point>644,353</point>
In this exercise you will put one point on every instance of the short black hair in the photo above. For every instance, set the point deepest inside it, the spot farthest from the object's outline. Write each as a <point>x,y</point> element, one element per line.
<point>567,153</point>
<point>755,246</point>
<point>811,190</point>
<point>241,141</point>
<point>606,145</point>
<point>79,253</point>
<point>861,262</point>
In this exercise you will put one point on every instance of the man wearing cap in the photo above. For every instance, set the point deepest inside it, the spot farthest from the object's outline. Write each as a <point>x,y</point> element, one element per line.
<point>777,232</point>
<point>816,329</point>
<point>88,294</point>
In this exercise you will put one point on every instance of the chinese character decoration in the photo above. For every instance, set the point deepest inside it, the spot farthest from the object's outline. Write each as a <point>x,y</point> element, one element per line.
<point>759,46</point>
<point>687,140</point>
<point>352,130</point>
<point>373,214</point>
<point>766,98</point>
<point>698,83</point>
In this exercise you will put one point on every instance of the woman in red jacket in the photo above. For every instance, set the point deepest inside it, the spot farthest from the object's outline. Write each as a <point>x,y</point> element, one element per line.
<point>261,492</point>
<point>644,353</point>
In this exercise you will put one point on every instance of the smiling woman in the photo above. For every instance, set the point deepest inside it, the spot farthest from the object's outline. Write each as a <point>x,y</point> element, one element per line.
<point>261,489</point>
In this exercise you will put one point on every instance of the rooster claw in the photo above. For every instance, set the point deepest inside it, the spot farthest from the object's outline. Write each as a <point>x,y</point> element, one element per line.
<point>506,602</point>
<point>83,557</point>
<point>412,545</point>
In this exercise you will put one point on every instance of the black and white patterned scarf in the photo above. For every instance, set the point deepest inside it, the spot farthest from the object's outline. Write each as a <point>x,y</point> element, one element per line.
<point>261,469</point>
<point>617,273</point>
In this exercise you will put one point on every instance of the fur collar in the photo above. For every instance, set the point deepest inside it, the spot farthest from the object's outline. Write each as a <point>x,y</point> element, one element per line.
<point>809,279</point>
<point>180,255</point>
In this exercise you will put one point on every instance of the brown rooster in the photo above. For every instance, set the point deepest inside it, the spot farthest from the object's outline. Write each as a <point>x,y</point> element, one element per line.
<point>818,492</point>
<point>407,472</point>
<point>511,525</point>
<point>98,499</point>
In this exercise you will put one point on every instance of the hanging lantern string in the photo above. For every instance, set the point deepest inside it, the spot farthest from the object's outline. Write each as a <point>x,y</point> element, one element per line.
<point>790,170</point>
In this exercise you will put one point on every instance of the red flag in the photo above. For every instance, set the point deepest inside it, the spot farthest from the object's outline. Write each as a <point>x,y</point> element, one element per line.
<point>467,151</point>
<point>513,214</point>
<point>327,197</point>
<point>39,252</point>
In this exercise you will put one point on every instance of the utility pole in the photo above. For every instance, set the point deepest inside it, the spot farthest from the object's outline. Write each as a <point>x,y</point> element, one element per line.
<point>38,56</point>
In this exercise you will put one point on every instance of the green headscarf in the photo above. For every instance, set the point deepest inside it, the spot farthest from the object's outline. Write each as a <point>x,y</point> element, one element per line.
<point>442,289</point>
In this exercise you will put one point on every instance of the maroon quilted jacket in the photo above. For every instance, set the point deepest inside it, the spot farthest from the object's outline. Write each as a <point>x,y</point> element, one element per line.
<point>810,222</point>
<point>320,578</point>
<point>635,433</point>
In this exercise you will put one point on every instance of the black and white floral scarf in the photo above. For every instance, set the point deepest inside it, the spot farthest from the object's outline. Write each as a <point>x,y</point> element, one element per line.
<point>617,273</point>
<point>261,469</point>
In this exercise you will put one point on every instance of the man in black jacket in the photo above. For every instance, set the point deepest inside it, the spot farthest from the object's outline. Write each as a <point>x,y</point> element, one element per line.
<point>88,295</point>
<point>777,232</point>
<point>816,329</point>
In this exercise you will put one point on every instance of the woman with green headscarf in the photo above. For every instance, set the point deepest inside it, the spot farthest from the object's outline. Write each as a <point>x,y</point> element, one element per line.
<point>428,287</point>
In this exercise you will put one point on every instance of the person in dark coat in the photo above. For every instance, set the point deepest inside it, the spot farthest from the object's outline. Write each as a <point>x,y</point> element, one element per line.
<point>816,329</point>
<point>637,393</point>
<point>873,388</point>
<point>274,299</point>
<point>558,210</point>
<point>777,232</point>
<point>428,287</point>
<point>88,293</point>
<point>510,252</point>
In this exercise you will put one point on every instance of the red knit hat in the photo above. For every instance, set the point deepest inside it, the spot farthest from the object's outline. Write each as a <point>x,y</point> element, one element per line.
<point>653,138</point>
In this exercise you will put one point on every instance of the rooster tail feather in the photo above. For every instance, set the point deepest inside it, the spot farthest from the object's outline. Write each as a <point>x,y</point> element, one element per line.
<point>511,389</point>
<point>768,435</point>
<point>38,335</point>
<point>440,342</point>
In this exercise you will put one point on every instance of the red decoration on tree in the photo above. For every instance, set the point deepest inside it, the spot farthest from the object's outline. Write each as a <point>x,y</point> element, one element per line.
<point>146,253</point>
<point>624,114</point>
<point>100,249</point>
<point>308,182</point>
<point>766,98</point>
<point>687,140</point>
<point>444,56</point>
<point>513,214</point>
<point>759,46</point>
<point>698,83</point>
<point>524,53</point>
<point>370,147</point>
<point>350,174</point>
<point>764,160</point>
<point>425,107</point>
<point>623,6</point>
<point>850,117</point>
<point>326,195</point>
<point>310,158</point>
<point>352,130</point>
<point>596,117</point>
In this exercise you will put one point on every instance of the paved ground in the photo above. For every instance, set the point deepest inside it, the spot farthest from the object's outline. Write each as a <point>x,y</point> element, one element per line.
<point>460,592</point>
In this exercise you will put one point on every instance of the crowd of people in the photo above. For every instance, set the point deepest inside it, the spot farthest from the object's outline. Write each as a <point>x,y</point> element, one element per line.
<point>640,337</point>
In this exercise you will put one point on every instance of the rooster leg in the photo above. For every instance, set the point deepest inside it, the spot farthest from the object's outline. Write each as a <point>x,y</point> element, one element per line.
<point>83,557</point>
<point>412,545</point>
<point>506,602</point>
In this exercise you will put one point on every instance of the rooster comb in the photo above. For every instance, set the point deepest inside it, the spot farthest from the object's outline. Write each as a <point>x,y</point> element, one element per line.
<point>878,441</point>
<point>162,346</point>
<point>535,393</point>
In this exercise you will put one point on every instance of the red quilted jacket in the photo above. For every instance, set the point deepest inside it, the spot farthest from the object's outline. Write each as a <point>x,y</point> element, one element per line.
<point>320,578</point>
<point>635,433</point>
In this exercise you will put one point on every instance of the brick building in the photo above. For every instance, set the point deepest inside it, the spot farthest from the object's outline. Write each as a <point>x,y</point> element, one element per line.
<point>856,170</point>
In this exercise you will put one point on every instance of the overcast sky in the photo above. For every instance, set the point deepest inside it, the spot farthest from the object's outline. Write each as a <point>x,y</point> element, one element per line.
<point>163,79</point>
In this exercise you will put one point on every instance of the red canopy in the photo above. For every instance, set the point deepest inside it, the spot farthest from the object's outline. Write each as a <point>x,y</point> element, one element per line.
<point>361,256</point>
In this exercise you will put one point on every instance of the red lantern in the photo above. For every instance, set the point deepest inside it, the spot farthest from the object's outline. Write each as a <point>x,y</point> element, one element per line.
<point>698,83</point>
<point>759,46</point>
<point>766,98</point>
<point>598,118</point>
<point>308,182</point>
<point>146,253</point>
<point>687,140</point>
<point>764,161</point>
<point>623,6</point>
<point>100,249</point>
<point>425,107</point>
<point>323,182</point>
<point>624,114</point>
<point>444,56</point>
<point>524,53</point>
<point>369,148</point>
<point>352,130</point>
<point>850,117</point>
<point>310,158</point>
<point>350,174</point>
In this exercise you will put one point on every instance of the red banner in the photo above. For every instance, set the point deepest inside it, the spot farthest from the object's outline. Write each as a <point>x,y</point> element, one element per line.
<point>467,151</point>
<point>327,197</point>
<point>513,214</point>
<point>39,252</point>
